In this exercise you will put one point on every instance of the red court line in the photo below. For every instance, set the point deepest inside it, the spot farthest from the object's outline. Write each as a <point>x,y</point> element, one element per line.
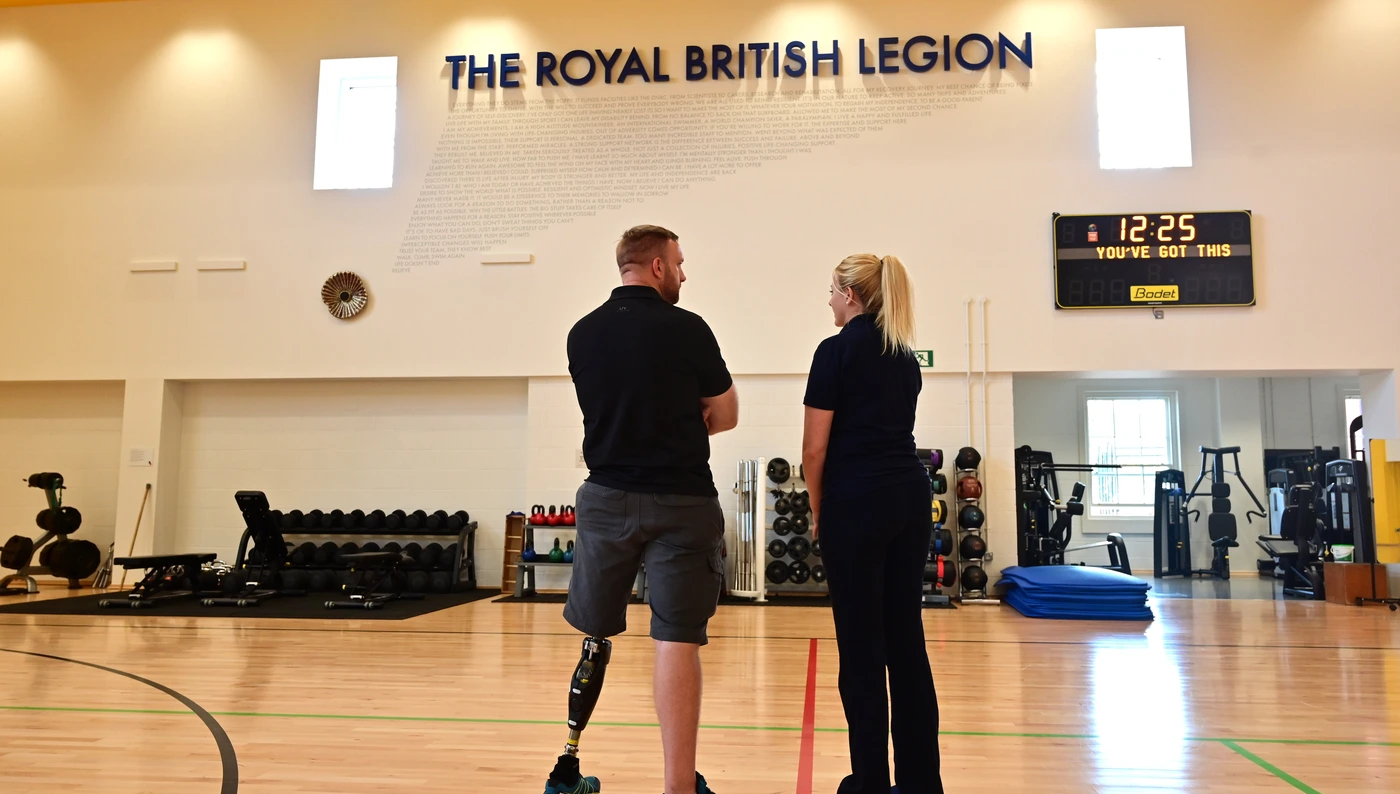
<point>809,725</point>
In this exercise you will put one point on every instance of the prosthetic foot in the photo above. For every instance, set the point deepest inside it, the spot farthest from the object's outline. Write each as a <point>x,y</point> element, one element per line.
<point>584,690</point>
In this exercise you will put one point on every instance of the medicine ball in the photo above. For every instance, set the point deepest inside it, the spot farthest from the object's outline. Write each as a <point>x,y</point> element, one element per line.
<point>971,517</point>
<point>974,578</point>
<point>972,547</point>
<point>969,487</point>
<point>967,459</point>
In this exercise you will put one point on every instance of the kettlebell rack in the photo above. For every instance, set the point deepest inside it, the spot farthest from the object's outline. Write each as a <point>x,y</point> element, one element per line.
<point>785,537</point>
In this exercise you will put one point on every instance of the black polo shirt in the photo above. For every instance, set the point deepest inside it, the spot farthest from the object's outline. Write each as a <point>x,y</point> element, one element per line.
<point>874,395</point>
<point>640,367</point>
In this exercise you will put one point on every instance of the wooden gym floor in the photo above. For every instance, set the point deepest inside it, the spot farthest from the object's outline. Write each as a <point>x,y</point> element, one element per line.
<point>1216,696</point>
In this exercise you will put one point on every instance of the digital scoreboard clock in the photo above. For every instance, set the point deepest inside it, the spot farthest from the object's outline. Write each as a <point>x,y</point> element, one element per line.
<point>1153,259</point>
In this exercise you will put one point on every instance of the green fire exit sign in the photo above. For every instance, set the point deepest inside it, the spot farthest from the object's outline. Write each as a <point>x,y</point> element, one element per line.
<point>925,357</point>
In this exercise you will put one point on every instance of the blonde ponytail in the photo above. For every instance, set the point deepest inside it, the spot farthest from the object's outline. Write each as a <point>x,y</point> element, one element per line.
<point>884,287</point>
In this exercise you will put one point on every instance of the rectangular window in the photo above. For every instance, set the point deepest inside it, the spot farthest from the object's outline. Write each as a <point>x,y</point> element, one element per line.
<point>1144,106</point>
<point>1137,432</point>
<point>355,122</point>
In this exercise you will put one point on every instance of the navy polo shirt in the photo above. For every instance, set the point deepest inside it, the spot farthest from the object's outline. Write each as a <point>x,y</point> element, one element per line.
<point>874,395</point>
<point>640,367</point>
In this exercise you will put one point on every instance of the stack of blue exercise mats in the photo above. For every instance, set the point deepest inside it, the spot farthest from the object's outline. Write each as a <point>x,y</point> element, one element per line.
<point>1076,592</point>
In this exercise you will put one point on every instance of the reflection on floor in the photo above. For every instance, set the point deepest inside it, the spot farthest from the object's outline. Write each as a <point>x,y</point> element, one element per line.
<point>1249,587</point>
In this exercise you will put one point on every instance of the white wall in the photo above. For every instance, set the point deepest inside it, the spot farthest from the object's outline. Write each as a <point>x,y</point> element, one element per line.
<point>71,428</point>
<point>205,121</point>
<point>425,444</point>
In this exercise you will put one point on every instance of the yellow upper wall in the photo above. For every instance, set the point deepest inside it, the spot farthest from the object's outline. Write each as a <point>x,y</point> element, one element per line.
<point>166,129</point>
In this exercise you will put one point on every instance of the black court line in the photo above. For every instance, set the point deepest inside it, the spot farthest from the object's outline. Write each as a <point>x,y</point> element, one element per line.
<point>226,754</point>
<point>427,632</point>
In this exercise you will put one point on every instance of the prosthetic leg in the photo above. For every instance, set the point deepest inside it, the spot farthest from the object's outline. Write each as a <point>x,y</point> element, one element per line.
<point>584,690</point>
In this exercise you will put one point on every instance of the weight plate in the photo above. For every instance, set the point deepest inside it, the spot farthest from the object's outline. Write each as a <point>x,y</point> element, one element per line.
<point>801,503</point>
<point>17,551</point>
<point>779,471</point>
<point>799,573</point>
<point>819,573</point>
<point>782,525</point>
<point>800,525</point>
<point>777,572</point>
<point>777,548</point>
<point>781,506</point>
<point>799,548</point>
<point>817,547</point>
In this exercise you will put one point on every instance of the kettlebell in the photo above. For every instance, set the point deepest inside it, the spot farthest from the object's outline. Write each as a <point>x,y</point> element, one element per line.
<point>537,515</point>
<point>553,518</point>
<point>570,518</point>
<point>569,552</point>
<point>528,555</point>
<point>556,554</point>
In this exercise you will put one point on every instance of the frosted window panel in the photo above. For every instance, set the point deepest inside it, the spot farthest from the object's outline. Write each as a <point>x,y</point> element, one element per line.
<point>355,123</point>
<point>1132,432</point>
<point>1143,102</point>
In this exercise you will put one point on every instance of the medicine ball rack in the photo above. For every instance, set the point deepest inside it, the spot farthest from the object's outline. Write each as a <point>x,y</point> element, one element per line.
<point>336,528</point>
<point>973,551</point>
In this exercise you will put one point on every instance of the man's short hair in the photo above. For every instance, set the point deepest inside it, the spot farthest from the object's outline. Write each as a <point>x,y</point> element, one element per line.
<point>641,244</point>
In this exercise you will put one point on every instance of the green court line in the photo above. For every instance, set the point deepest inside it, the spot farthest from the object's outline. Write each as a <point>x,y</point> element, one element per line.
<point>1270,768</point>
<point>767,728</point>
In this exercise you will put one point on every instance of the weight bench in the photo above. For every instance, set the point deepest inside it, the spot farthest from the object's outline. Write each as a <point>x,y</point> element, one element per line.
<point>371,569</point>
<point>169,577</point>
<point>261,577</point>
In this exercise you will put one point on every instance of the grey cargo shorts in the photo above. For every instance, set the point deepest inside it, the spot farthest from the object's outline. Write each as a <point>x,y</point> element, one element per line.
<point>679,537</point>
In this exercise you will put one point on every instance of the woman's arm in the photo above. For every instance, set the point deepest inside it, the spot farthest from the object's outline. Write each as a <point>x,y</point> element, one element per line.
<point>816,432</point>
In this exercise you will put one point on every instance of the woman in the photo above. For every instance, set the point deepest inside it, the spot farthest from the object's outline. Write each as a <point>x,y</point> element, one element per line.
<point>871,500</point>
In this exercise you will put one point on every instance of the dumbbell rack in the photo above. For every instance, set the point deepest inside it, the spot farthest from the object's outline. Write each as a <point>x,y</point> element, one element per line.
<point>971,595</point>
<point>462,566</point>
<point>769,518</point>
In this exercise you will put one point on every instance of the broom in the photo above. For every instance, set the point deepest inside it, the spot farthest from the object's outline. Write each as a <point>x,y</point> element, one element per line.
<point>134,533</point>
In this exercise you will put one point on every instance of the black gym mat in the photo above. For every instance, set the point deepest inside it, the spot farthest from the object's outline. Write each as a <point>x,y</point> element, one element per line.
<point>310,606</point>
<point>542,598</point>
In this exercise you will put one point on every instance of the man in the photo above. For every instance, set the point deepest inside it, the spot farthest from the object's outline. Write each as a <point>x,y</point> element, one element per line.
<point>653,387</point>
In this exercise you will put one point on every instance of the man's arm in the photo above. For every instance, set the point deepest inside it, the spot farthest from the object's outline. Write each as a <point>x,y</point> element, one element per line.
<point>721,412</point>
<point>816,432</point>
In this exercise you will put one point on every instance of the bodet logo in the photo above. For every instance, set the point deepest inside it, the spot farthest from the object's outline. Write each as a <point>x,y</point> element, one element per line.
<point>1168,292</point>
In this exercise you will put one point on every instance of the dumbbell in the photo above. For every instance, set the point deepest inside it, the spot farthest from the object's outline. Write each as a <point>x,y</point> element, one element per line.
<point>971,517</point>
<point>326,553</point>
<point>777,572</point>
<point>441,581</point>
<point>458,520</point>
<point>375,520</point>
<point>428,557</point>
<point>312,520</point>
<point>437,520</point>
<point>940,483</point>
<point>395,520</point>
<point>233,581</point>
<point>940,572</point>
<point>293,579</point>
<point>940,511</point>
<point>209,582</point>
<point>276,516</point>
<point>415,552</point>
<point>346,548</point>
<point>392,548</point>
<point>799,548</point>
<point>354,519</point>
<point>777,548</point>
<point>935,459</point>
<point>819,573</point>
<point>320,581</point>
<point>448,558</point>
<point>369,548</point>
<point>799,573</point>
<point>415,521</point>
<point>972,547</point>
<point>419,582</point>
<point>305,554</point>
<point>292,519</point>
<point>337,519</point>
<point>974,578</point>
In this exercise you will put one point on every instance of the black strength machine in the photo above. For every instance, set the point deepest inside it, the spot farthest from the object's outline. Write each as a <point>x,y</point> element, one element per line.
<point>1153,259</point>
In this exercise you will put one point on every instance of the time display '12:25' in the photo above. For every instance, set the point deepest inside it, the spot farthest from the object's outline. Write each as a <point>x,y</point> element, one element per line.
<point>1162,228</point>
